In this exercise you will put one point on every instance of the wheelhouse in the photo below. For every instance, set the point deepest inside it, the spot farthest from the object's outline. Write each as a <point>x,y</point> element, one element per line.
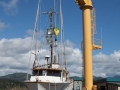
<point>47,72</point>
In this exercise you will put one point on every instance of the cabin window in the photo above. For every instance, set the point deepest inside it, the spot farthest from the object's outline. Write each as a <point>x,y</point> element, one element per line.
<point>43,72</point>
<point>54,73</point>
<point>37,73</point>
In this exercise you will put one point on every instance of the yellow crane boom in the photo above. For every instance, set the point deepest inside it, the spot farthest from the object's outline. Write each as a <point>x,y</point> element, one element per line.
<point>84,3</point>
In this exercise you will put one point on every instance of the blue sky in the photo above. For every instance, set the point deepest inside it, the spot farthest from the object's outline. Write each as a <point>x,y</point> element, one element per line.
<point>22,18</point>
<point>108,18</point>
<point>18,16</point>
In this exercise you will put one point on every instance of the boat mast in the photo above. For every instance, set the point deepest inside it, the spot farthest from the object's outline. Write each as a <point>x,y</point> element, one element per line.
<point>50,34</point>
<point>51,45</point>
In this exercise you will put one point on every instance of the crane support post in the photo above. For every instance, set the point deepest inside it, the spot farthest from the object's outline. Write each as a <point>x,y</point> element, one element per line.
<point>86,6</point>
<point>82,3</point>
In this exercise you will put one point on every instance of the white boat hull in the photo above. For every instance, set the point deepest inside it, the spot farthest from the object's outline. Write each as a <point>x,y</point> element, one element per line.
<point>46,86</point>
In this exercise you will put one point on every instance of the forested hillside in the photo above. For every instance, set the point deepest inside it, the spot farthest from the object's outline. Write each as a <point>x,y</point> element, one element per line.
<point>7,84</point>
<point>16,76</point>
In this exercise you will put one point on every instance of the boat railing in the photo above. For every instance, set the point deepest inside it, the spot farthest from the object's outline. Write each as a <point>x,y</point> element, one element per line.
<point>41,66</point>
<point>96,44</point>
<point>97,41</point>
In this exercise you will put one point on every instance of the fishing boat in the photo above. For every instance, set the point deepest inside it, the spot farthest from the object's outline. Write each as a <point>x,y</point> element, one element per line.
<point>52,74</point>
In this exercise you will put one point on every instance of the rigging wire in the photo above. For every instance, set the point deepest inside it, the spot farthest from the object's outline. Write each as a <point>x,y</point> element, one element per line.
<point>40,29</point>
<point>101,36</point>
<point>57,17</point>
<point>54,14</point>
<point>42,39</point>
<point>61,18</point>
<point>43,5</point>
<point>33,38</point>
<point>55,9</point>
<point>64,51</point>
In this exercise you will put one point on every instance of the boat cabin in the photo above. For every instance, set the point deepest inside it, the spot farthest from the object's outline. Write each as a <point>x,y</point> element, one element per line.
<point>48,72</point>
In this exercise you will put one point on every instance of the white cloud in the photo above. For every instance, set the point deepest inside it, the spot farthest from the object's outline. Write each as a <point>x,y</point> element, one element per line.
<point>14,57</point>
<point>106,65</point>
<point>10,7</point>
<point>3,25</point>
<point>74,61</point>
<point>11,47</point>
<point>39,33</point>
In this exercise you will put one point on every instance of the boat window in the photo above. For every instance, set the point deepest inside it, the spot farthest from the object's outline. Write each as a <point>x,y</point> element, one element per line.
<point>43,72</point>
<point>54,73</point>
<point>37,73</point>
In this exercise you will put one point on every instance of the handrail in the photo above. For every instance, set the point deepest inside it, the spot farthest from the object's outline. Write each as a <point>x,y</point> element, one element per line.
<point>96,42</point>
